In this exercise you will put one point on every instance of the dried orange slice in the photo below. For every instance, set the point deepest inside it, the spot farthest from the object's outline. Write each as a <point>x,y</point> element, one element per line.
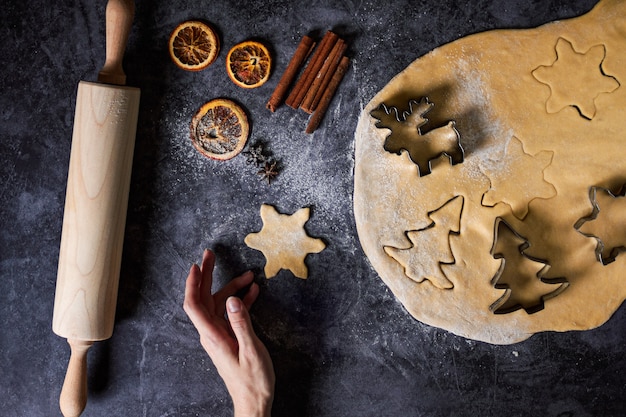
<point>220,129</point>
<point>248,64</point>
<point>193,45</point>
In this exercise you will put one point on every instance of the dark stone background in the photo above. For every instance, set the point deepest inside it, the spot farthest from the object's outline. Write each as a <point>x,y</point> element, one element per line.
<point>341,343</point>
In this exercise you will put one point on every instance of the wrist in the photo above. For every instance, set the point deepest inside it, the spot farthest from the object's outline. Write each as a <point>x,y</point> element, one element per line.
<point>260,410</point>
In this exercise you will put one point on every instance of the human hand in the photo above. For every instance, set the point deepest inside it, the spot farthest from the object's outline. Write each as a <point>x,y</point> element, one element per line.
<point>240,357</point>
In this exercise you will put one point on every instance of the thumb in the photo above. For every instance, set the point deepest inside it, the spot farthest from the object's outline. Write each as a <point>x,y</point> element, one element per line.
<point>240,322</point>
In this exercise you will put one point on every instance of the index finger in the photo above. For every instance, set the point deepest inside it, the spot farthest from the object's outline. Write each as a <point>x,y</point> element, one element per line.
<point>208,263</point>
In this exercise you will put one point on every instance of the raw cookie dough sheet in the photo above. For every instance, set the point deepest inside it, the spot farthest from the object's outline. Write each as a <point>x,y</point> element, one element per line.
<point>540,114</point>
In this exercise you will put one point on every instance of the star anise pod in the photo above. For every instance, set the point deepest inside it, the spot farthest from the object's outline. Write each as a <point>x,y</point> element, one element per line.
<point>255,155</point>
<point>269,171</point>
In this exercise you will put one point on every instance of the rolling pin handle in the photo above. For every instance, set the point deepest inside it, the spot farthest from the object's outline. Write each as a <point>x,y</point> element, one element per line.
<point>74,392</point>
<point>119,19</point>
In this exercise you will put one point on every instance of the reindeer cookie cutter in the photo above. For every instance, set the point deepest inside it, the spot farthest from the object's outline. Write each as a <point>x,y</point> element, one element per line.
<point>406,134</point>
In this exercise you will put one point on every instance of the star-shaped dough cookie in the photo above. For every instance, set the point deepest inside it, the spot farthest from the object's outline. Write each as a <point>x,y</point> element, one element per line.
<point>575,79</point>
<point>284,241</point>
<point>518,178</point>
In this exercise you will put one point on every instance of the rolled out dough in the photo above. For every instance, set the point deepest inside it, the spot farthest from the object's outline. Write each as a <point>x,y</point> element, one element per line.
<point>540,114</point>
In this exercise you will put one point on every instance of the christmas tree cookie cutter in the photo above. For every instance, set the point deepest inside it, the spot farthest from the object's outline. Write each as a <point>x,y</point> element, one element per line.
<point>521,276</point>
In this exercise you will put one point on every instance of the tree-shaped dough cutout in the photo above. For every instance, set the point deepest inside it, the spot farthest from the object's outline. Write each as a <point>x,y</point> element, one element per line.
<point>575,79</point>
<point>520,275</point>
<point>406,134</point>
<point>430,247</point>
<point>606,224</point>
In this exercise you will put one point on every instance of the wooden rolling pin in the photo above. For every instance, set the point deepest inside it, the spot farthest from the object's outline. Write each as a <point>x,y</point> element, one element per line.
<point>98,183</point>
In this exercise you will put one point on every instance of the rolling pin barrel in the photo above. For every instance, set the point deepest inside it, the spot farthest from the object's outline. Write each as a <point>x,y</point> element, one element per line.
<point>95,211</point>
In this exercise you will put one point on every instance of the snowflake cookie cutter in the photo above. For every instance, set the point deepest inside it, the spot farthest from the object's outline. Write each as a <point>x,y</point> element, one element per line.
<point>606,223</point>
<point>406,134</point>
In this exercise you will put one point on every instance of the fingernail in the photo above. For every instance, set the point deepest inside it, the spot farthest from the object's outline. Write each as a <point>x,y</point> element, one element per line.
<point>233,305</point>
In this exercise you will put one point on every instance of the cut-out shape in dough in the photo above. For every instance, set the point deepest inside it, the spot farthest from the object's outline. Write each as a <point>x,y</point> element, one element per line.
<point>431,246</point>
<point>406,135</point>
<point>284,242</point>
<point>575,79</point>
<point>606,224</point>
<point>520,275</point>
<point>518,178</point>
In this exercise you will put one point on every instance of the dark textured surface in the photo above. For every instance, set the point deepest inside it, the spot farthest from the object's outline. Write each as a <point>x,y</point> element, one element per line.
<point>341,344</point>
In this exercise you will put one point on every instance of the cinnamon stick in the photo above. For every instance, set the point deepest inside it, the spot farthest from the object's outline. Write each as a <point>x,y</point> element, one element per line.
<point>303,50</point>
<point>329,92</point>
<point>328,77</point>
<point>323,77</point>
<point>317,60</point>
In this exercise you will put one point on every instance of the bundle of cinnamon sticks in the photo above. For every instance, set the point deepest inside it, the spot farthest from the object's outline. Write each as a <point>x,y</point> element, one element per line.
<point>319,80</point>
